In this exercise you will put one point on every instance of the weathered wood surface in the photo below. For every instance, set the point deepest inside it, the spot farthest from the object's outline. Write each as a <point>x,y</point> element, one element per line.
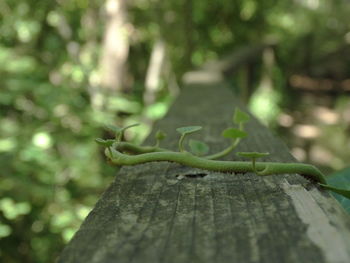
<point>155,213</point>
<point>219,70</point>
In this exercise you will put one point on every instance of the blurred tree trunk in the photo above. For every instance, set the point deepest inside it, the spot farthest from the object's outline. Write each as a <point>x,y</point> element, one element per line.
<point>115,47</point>
<point>154,71</point>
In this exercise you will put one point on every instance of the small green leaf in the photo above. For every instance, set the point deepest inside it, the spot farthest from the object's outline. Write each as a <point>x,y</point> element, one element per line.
<point>160,135</point>
<point>252,155</point>
<point>188,129</point>
<point>341,179</point>
<point>113,128</point>
<point>240,116</point>
<point>198,148</point>
<point>105,143</point>
<point>233,133</point>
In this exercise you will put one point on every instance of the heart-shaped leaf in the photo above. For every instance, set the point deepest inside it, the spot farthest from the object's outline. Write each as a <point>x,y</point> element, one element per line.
<point>160,135</point>
<point>240,116</point>
<point>188,129</point>
<point>105,143</point>
<point>233,133</point>
<point>198,148</point>
<point>252,155</point>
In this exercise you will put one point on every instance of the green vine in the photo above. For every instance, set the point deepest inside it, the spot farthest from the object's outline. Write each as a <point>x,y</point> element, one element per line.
<point>125,153</point>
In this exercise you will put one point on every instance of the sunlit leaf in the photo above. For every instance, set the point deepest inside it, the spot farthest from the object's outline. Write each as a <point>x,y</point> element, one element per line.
<point>156,110</point>
<point>5,230</point>
<point>188,129</point>
<point>198,148</point>
<point>68,233</point>
<point>233,133</point>
<point>252,155</point>
<point>240,116</point>
<point>12,210</point>
<point>265,104</point>
<point>120,103</point>
<point>8,144</point>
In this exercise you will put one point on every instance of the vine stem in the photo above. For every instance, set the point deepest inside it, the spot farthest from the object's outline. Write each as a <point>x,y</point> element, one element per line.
<point>223,152</point>
<point>254,166</point>
<point>157,144</point>
<point>228,149</point>
<point>109,149</point>
<point>186,158</point>
<point>181,141</point>
<point>135,149</point>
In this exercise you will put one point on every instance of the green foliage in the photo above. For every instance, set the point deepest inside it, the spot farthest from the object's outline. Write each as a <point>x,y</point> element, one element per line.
<point>143,154</point>
<point>105,143</point>
<point>51,172</point>
<point>160,135</point>
<point>341,179</point>
<point>233,133</point>
<point>343,192</point>
<point>188,129</point>
<point>265,105</point>
<point>184,131</point>
<point>52,175</point>
<point>198,148</point>
<point>240,116</point>
<point>112,128</point>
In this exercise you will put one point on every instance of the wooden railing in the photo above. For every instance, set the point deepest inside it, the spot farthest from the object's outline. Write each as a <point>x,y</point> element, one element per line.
<point>165,212</point>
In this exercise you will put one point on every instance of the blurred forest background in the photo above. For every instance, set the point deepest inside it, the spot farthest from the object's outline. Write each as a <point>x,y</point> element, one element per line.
<point>67,67</point>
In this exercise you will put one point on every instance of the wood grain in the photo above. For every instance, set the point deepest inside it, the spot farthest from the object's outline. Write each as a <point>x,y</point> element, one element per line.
<point>161,212</point>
